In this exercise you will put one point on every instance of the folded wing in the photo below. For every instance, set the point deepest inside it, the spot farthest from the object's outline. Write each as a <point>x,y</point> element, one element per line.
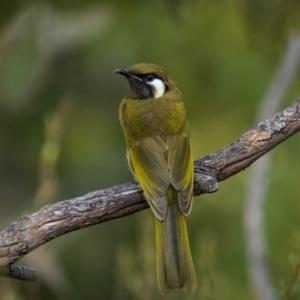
<point>159,163</point>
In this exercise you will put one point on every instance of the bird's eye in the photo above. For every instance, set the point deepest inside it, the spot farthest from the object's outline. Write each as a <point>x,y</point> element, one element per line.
<point>149,77</point>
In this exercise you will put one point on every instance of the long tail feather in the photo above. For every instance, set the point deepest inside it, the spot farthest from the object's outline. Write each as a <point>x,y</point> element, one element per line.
<point>175,268</point>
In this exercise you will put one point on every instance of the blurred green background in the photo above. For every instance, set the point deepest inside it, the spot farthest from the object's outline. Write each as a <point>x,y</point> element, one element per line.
<point>60,136</point>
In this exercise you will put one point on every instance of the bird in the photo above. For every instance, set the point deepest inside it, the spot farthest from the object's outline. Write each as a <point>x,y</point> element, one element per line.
<point>153,120</point>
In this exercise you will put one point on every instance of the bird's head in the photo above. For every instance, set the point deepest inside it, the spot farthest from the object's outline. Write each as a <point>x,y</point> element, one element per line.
<point>148,81</point>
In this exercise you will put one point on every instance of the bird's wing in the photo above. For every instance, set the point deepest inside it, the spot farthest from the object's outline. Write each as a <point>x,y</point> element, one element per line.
<point>159,163</point>
<point>180,162</point>
<point>151,170</point>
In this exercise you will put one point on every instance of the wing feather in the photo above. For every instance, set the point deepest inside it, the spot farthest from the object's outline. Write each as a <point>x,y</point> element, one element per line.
<point>151,170</point>
<point>159,163</point>
<point>182,170</point>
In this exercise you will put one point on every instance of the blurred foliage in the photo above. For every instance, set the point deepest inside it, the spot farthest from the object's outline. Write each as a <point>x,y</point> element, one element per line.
<point>222,54</point>
<point>290,286</point>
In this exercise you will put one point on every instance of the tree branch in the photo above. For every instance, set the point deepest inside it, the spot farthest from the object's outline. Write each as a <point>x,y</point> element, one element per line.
<point>30,232</point>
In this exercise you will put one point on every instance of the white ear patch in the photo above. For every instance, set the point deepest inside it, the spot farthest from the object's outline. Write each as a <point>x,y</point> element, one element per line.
<point>159,87</point>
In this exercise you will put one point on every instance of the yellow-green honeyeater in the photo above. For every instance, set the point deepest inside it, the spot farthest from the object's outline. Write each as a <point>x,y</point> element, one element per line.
<point>153,119</point>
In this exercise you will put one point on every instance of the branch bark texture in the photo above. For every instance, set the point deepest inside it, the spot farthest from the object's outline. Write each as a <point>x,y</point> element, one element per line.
<point>31,231</point>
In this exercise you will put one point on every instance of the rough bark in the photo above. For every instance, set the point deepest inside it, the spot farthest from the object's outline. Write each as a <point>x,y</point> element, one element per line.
<point>31,231</point>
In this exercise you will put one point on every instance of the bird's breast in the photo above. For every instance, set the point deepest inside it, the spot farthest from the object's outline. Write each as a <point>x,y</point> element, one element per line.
<point>142,118</point>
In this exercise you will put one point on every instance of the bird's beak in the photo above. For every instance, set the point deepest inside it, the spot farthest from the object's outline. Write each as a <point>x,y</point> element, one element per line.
<point>127,73</point>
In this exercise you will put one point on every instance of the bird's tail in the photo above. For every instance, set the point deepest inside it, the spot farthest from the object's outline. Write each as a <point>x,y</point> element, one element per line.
<point>175,268</point>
